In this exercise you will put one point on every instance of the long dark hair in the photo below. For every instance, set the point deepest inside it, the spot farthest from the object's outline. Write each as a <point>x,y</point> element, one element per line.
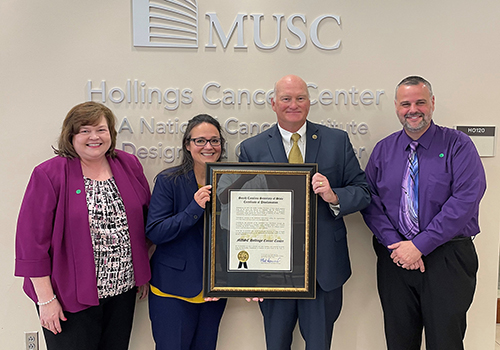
<point>187,162</point>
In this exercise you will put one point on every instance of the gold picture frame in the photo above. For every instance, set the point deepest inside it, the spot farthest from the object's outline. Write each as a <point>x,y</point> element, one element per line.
<point>260,231</point>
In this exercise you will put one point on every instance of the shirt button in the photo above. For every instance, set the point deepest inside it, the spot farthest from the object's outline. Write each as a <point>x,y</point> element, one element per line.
<point>195,216</point>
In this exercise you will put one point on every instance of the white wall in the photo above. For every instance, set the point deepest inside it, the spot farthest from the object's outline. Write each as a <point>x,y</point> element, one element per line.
<point>49,50</point>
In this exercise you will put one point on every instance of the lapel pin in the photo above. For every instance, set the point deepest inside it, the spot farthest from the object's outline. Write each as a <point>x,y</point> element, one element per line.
<point>315,137</point>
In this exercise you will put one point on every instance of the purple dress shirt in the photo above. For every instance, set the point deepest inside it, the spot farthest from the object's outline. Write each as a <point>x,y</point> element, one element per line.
<point>452,183</point>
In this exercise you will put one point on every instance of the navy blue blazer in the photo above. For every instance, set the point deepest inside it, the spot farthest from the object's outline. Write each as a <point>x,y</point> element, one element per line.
<point>175,225</point>
<point>332,151</point>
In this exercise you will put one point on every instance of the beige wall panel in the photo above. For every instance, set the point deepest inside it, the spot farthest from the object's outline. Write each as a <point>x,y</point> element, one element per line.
<point>50,50</point>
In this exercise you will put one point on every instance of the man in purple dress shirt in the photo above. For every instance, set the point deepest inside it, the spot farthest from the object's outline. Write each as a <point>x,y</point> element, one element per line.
<point>426,281</point>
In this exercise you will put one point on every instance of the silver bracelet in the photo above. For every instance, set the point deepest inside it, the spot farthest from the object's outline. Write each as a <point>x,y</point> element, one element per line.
<point>46,302</point>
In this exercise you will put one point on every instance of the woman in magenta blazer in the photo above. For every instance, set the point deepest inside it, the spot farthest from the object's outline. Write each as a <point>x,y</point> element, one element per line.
<point>80,242</point>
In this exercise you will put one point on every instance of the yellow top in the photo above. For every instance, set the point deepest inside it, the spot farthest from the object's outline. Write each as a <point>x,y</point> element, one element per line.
<point>197,299</point>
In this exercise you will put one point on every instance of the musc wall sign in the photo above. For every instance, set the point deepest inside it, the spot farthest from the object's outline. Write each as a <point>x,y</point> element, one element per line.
<point>135,92</point>
<point>231,127</point>
<point>175,24</point>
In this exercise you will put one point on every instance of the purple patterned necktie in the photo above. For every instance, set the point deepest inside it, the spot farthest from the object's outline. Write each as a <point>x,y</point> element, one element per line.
<point>408,214</point>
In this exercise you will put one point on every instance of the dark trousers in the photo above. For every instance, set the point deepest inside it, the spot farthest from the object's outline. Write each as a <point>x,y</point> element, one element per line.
<point>180,325</point>
<point>106,326</point>
<point>316,318</point>
<point>436,300</point>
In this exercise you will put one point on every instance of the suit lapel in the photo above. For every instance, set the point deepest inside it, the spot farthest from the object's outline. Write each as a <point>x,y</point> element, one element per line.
<point>123,176</point>
<point>276,148</point>
<point>313,140</point>
<point>77,200</point>
<point>191,188</point>
<point>78,232</point>
<point>192,182</point>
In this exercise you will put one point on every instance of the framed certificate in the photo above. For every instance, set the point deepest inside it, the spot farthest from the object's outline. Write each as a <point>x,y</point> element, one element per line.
<point>260,231</point>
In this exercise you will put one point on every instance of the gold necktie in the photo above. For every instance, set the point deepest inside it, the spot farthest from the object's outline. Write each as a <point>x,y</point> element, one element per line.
<point>295,156</point>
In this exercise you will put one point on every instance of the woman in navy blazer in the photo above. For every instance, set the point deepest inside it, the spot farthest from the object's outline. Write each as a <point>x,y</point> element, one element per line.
<point>181,318</point>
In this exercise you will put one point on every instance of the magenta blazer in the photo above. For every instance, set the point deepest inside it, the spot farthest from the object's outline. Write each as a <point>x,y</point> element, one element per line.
<point>53,235</point>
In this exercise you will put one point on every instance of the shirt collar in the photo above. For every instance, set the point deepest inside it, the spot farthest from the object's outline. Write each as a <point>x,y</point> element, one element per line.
<point>424,140</point>
<point>286,135</point>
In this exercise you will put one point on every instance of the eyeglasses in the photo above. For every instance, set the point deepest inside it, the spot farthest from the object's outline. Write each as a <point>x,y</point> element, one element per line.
<point>201,142</point>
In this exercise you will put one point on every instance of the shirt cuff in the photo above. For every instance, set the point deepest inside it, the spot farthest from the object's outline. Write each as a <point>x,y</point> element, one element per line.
<point>335,208</point>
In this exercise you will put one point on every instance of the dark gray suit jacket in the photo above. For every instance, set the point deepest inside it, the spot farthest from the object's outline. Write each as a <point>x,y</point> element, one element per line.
<point>332,151</point>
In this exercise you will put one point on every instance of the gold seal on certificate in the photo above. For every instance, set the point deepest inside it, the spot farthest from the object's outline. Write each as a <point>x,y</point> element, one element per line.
<point>243,258</point>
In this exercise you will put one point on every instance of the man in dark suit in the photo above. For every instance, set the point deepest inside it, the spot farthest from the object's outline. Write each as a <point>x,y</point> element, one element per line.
<point>342,188</point>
